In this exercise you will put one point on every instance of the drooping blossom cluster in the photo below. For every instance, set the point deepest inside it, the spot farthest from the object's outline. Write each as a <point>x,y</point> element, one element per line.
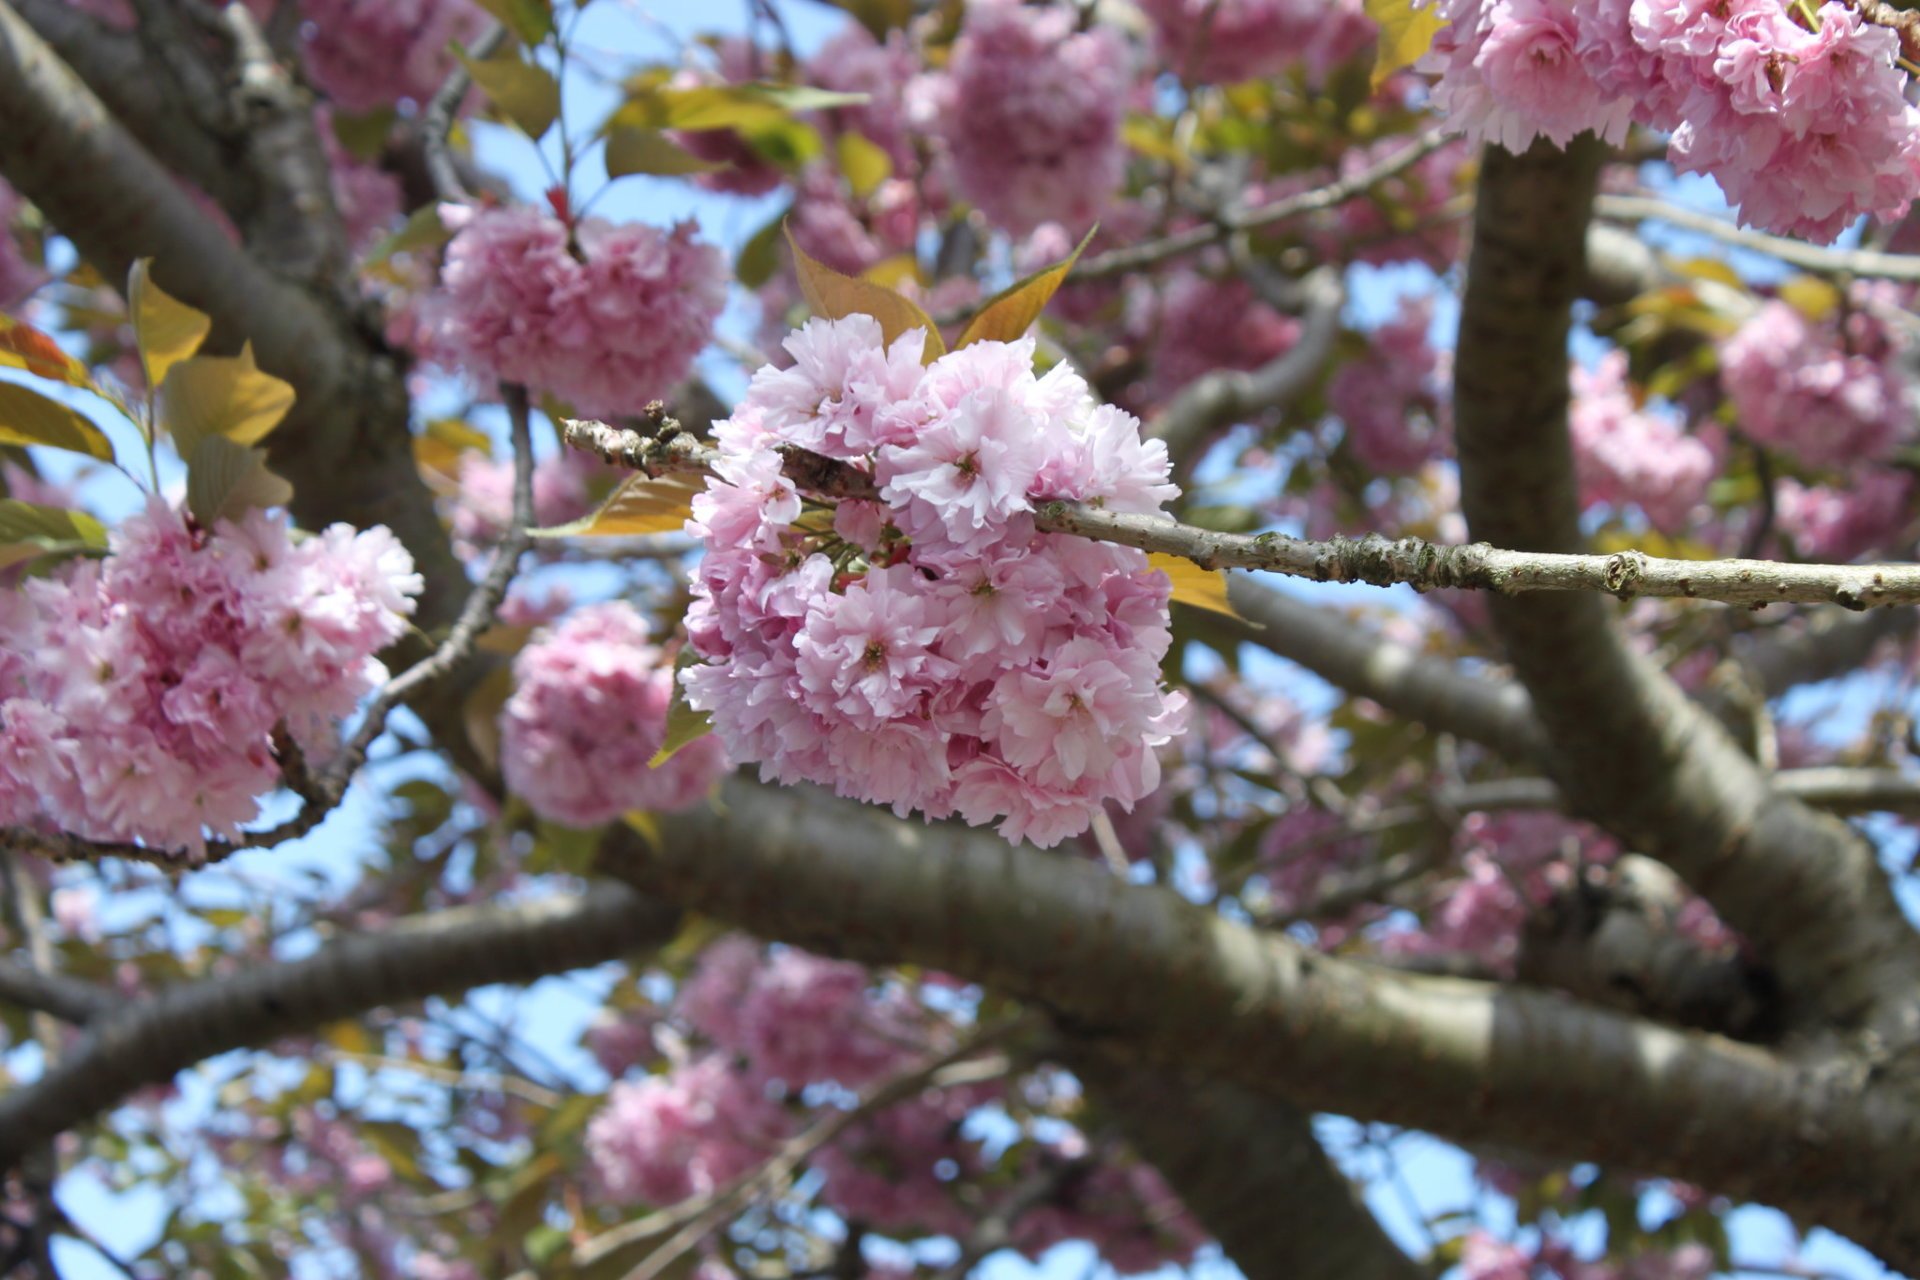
<point>1031,110</point>
<point>1626,455</point>
<point>1863,513</point>
<point>930,650</point>
<point>588,712</point>
<point>365,54</point>
<point>1393,400</point>
<point>607,330</point>
<point>158,675</point>
<point>1804,126</point>
<point>1824,395</point>
<point>1223,41</point>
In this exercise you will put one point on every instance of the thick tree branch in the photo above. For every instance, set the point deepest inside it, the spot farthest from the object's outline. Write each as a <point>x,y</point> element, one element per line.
<point>1628,748</point>
<point>1248,1166</point>
<point>148,1042</point>
<point>68,999</point>
<point>1142,967</point>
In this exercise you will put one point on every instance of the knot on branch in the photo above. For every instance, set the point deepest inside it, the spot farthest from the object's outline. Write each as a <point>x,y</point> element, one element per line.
<point>1624,570</point>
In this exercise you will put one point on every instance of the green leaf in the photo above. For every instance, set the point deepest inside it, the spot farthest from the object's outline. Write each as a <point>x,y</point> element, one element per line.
<point>640,505</point>
<point>735,106</point>
<point>524,93</point>
<point>166,329</point>
<point>684,724</point>
<point>28,417</point>
<point>29,531</point>
<point>1405,34</point>
<point>836,296</point>
<point>364,135</point>
<point>422,230</point>
<point>865,164</point>
<point>530,20</point>
<point>1192,585</point>
<point>633,150</point>
<point>878,16</point>
<point>222,396</point>
<point>1011,312</point>
<point>225,480</point>
<point>760,255</point>
<point>24,347</point>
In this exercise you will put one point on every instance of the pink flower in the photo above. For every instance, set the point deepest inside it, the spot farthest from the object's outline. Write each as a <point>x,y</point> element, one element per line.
<point>365,54</point>
<point>1206,324</point>
<point>1825,398</point>
<point>1034,118</point>
<point>162,672</point>
<point>866,656</point>
<point>608,330</point>
<point>588,713</point>
<point>665,1138</point>
<point>1846,521</point>
<point>1222,41</point>
<point>1510,72</point>
<point>1393,400</point>
<point>1625,455</point>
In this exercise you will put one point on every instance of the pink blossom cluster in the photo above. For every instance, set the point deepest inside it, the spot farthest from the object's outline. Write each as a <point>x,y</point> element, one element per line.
<point>1824,394</point>
<point>365,54</point>
<point>1625,455</point>
<point>606,317</point>
<point>158,675</point>
<point>1125,1209</point>
<point>1393,400</point>
<point>1804,125</point>
<point>588,712</point>
<point>931,650</point>
<point>1486,1257</point>
<point>1864,513</point>
<point>1206,324</point>
<point>1511,863</point>
<point>747,172</point>
<point>664,1138</point>
<point>1223,41</point>
<point>1031,110</point>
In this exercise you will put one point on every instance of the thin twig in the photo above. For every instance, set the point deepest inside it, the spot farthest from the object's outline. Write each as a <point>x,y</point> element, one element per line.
<point>436,122</point>
<point>1371,559</point>
<point>1808,257</point>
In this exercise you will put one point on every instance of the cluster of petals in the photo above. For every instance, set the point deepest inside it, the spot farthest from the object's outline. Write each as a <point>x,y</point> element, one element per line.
<point>1031,111</point>
<point>662,1139</point>
<point>1206,324</point>
<point>587,715</point>
<point>1125,1209</point>
<point>605,316</point>
<point>931,650</point>
<point>1625,455</point>
<point>1393,400</point>
<point>1824,395</point>
<point>1865,513</point>
<point>366,54</point>
<point>159,674</point>
<point>1224,41</point>
<point>1804,125</point>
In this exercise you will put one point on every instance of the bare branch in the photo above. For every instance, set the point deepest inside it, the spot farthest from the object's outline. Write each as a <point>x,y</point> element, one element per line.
<point>1867,263</point>
<point>436,122</point>
<point>68,999</point>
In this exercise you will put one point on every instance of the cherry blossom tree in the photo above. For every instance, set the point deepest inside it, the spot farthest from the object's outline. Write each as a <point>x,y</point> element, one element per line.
<point>1126,613</point>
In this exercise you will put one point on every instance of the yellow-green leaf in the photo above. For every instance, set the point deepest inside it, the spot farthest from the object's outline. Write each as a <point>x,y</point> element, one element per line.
<point>645,823</point>
<point>440,446</point>
<point>640,505</point>
<point>1812,297</point>
<point>633,150</point>
<point>1405,34</point>
<point>24,347</point>
<point>1715,269</point>
<point>1011,312</point>
<point>423,229</point>
<point>27,417</point>
<point>531,20</point>
<point>222,396</point>
<point>226,480</point>
<point>1192,585</point>
<point>684,724</point>
<point>836,296</point>
<point>29,531</point>
<point>865,164</point>
<point>760,255</point>
<point>166,329</point>
<point>524,93</point>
